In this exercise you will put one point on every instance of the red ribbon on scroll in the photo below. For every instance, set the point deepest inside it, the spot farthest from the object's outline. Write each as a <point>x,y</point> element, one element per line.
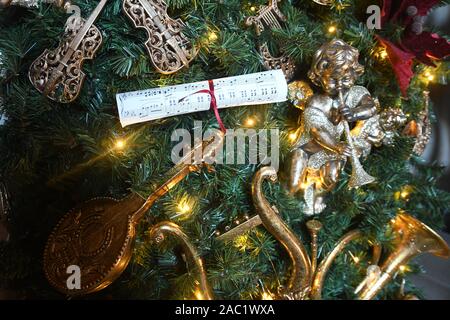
<point>213,103</point>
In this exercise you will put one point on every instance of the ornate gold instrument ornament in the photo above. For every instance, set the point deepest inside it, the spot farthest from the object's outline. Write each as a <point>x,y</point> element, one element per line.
<point>31,3</point>
<point>58,73</point>
<point>359,176</point>
<point>271,16</point>
<point>306,280</point>
<point>158,234</point>
<point>325,2</point>
<point>168,47</point>
<point>98,235</point>
<point>421,130</point>
<point>299,283</point>
<point>412,238</point>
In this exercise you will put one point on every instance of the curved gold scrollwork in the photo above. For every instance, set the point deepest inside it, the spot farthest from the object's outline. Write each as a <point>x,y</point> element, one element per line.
<point>158,234</point>
<point>300,280</point>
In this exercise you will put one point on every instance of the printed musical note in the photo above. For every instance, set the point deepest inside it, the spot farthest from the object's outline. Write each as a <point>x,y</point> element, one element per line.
<point>152,104</point>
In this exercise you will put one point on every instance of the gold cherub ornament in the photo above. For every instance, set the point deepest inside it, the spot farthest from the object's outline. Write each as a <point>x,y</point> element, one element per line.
<point>325,141</point>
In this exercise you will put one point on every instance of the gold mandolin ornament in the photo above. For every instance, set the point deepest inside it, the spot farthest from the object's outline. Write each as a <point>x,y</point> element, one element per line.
<point>98,236</point>
<point>306,282</point>
<point>158,234</point>
<point>57,73</point>
<point>169,49</point>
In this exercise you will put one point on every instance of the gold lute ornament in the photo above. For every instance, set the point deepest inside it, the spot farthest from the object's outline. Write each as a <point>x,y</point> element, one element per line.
<point>98,236</point>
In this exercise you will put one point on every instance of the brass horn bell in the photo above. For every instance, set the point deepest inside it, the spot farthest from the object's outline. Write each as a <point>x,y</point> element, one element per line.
<point>413,238</point>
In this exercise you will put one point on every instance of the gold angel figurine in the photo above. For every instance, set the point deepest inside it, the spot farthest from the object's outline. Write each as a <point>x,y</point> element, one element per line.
<point>325,142</point>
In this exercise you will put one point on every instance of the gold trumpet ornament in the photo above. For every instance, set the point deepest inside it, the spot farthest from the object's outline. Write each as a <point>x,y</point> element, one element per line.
<point>306,280</point>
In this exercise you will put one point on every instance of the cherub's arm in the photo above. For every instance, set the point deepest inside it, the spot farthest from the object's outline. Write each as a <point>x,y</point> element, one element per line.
<point>366,109</point>
<point>326,141</point>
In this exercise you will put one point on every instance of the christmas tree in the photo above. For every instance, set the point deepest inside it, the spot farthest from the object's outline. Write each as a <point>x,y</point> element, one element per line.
<point>56,155</point>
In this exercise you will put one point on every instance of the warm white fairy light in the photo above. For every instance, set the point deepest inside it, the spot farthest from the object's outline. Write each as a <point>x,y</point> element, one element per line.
<point>293,136</point>
<point>184,207</point>
<point>212,36</point>
<point>332,29</point>
<point>250,122</point>
<point>120,144</point>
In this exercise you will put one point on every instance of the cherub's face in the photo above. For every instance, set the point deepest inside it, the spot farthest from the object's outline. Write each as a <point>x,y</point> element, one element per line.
<point>335,80</point>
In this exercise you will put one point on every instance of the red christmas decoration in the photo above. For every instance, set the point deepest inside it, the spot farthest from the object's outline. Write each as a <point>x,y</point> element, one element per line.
<point>402,62</point>
<point>415,43</point>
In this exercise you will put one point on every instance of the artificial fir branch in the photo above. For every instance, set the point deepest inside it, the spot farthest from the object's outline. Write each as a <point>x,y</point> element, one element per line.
<point>54,156</point>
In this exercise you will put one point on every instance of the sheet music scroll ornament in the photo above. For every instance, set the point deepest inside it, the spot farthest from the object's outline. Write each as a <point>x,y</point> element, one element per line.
<point>252,89</point>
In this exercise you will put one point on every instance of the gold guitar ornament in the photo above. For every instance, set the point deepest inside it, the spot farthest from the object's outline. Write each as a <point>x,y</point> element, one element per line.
<point>58,73</point>
<point>98,236</point>
<point>168,47</point>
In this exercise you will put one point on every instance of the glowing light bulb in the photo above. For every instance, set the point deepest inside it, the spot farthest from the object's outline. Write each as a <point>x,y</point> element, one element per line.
<point>212,36</point>
<point>253,8</point>
<point>356,259</point>
<point>430,77</point>
<point>332,29</point>
<point>184,207</point>
<point>120,144</point>
<point>250,122</point>
<point>293,136</point>
<point>402,268</point>
<point>383,54</point>
<point>199,295</point>
<point>266,296</point>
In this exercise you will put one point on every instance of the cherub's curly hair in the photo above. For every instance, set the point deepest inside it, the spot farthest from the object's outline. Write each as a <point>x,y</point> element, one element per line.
<point>335,56</point>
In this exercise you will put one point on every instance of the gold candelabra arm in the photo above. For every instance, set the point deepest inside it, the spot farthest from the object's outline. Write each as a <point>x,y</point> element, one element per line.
<point>157,233</point>
<point>324,266</point>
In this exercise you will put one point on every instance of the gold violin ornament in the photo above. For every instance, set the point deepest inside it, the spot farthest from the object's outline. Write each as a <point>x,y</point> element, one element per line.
<point>168,47</point>
<point>306,281</point>
<point>158,234</point>
<point>57,73</point>
<point>98,236</point>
